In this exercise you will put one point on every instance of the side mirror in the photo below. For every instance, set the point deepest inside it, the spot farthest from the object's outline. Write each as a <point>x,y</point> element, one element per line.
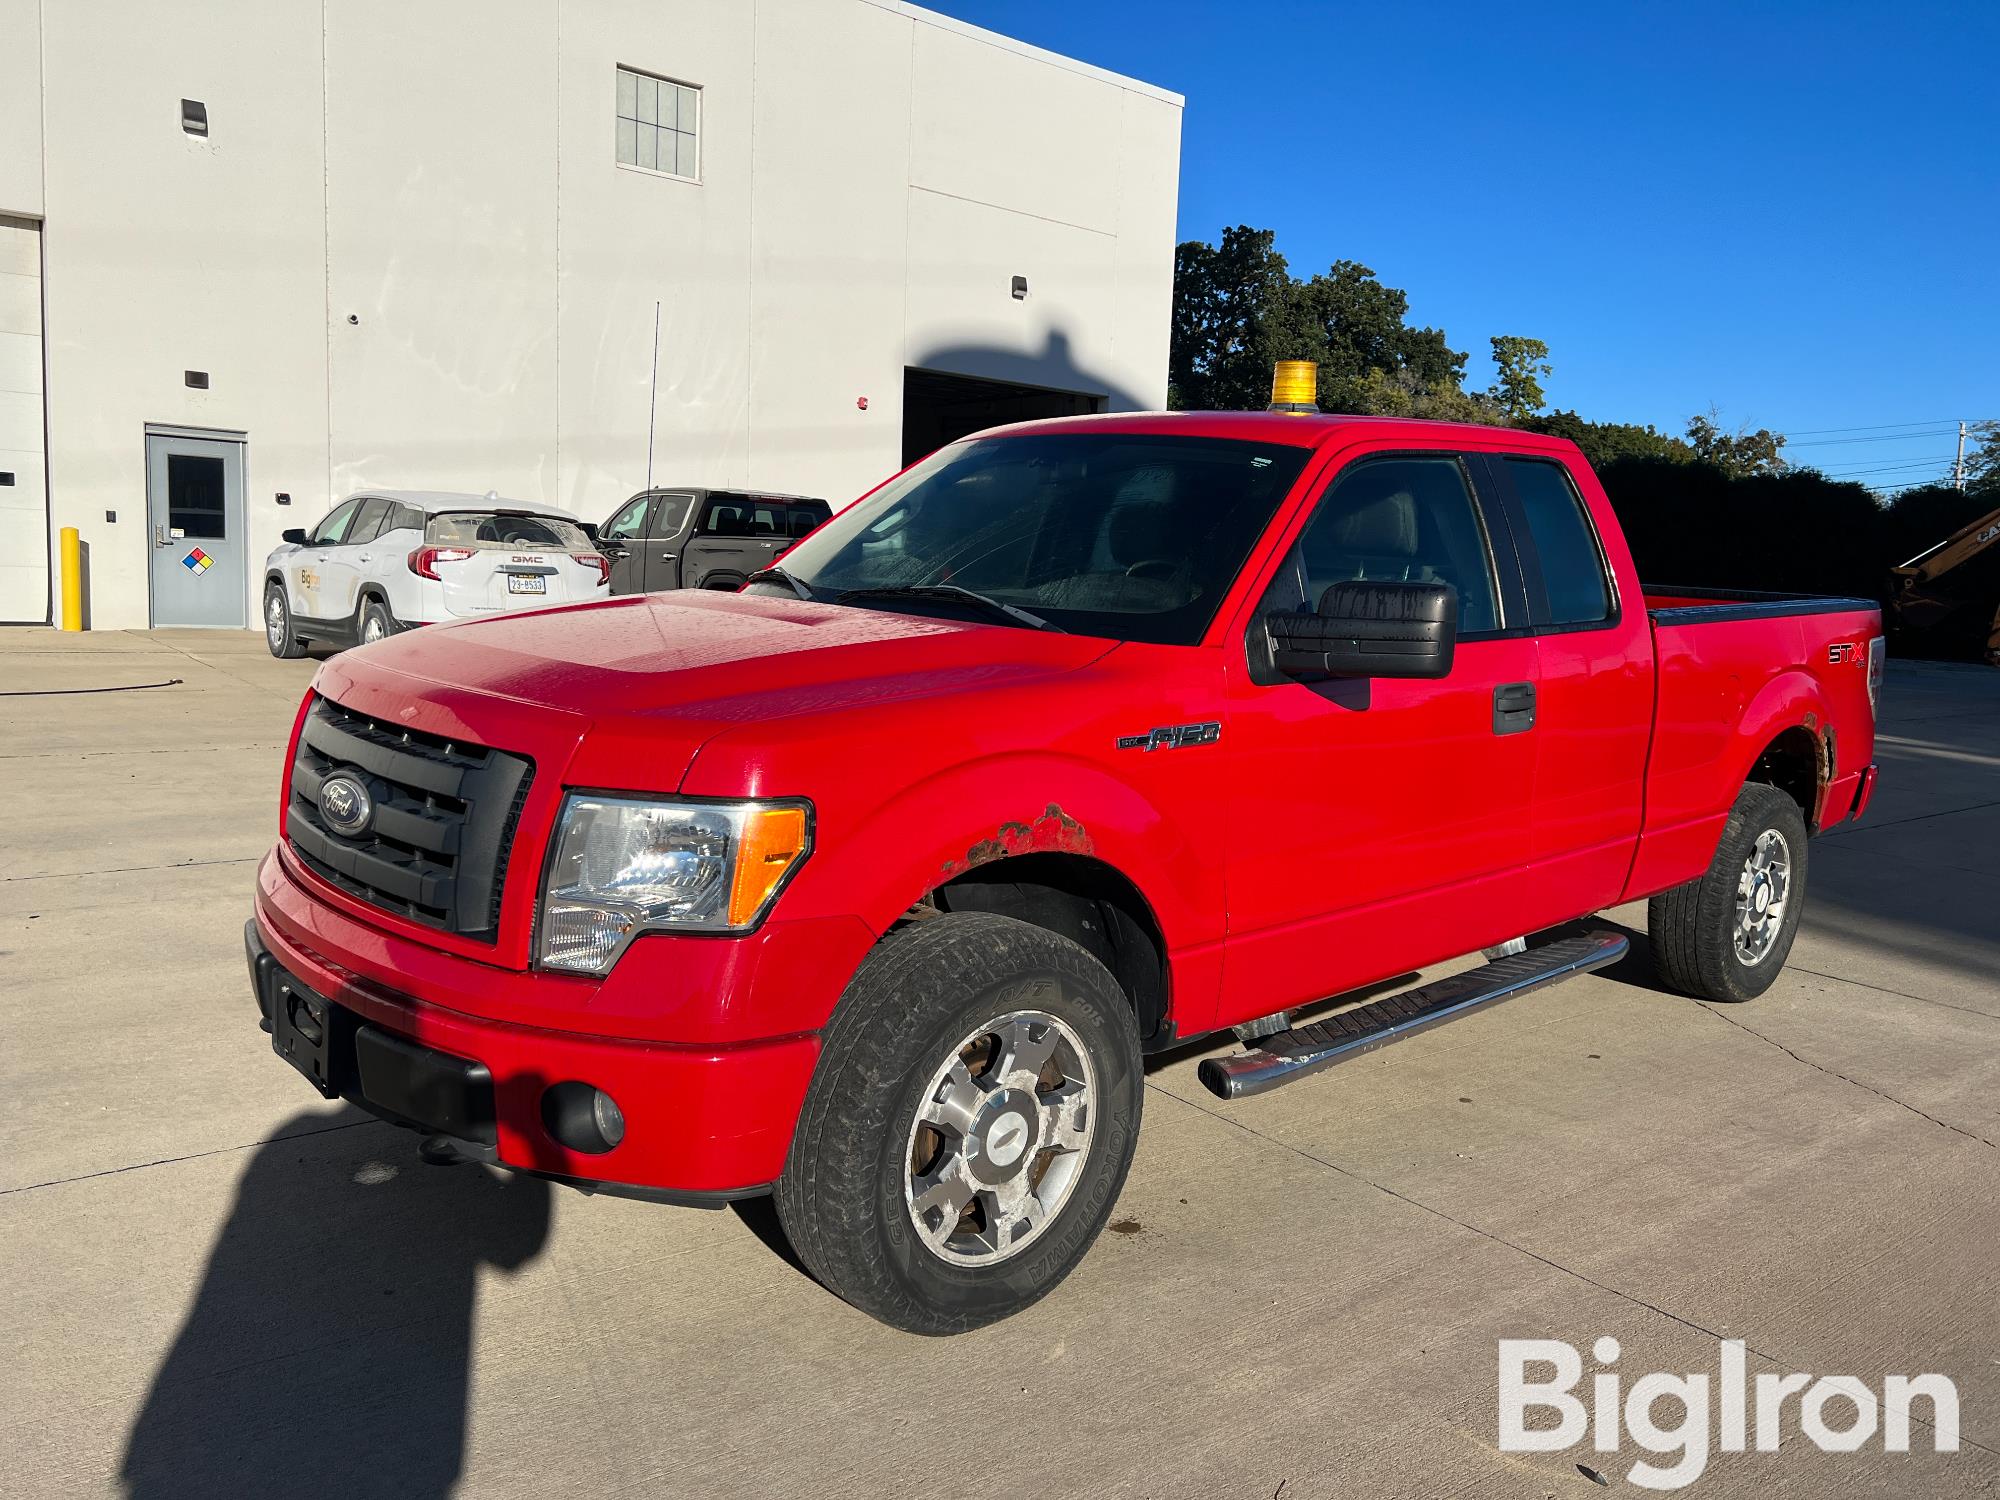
<point>296,535</point>
<point>1367,629</point>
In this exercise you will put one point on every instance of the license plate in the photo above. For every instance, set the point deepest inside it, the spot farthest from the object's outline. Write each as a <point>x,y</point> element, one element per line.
<point>527,583</point>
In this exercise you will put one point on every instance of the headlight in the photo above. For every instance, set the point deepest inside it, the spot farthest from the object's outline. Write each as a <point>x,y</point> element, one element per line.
<point>625,865</point>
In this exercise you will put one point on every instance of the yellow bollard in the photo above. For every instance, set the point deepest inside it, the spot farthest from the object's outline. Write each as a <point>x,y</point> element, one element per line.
<point>72,579</point>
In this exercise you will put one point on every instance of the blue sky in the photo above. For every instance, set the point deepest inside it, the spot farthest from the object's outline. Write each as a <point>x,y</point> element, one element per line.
<point>1788,211</point>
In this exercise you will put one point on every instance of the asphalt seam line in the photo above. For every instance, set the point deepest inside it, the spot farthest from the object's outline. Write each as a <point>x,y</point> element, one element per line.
<point>168,1161</point>
<point>1502,1240</point>
<point>1832,1073</point>
<point>190,864</point>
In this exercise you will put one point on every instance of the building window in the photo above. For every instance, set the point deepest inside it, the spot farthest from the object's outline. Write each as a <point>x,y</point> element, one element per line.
<point>659,125</point>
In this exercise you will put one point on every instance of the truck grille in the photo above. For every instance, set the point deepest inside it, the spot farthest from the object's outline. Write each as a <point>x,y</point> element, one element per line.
<point>435,847</point>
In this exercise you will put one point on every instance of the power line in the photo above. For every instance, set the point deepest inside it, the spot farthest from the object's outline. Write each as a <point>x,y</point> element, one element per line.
<point>1921,463</point>
<point>1893,437</point>
<point>1883,427</point>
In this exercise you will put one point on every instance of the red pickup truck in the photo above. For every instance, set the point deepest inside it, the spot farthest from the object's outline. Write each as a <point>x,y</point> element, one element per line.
<point>872,885</point>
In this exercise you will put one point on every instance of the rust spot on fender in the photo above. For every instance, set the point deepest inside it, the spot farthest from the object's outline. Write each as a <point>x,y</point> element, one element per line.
<point>1055,831</point>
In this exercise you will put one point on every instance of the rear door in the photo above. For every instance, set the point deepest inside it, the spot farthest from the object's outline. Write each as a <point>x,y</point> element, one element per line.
<point>622,539</point>
<point>343,566</point>
<point>1379,821</point>
<point>666,532</point>
<point>1594,688</point>
<point>735,536</point>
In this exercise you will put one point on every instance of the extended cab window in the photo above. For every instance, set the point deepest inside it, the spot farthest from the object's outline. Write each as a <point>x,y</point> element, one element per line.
<point>1396,520</point>
<point>1572,564</point>
<point>1134,536</point>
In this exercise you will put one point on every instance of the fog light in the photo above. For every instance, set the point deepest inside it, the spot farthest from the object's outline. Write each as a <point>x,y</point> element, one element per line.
<point>582,1118</point>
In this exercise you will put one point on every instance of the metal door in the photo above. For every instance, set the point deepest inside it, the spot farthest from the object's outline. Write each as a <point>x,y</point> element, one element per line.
<point>194,504</point>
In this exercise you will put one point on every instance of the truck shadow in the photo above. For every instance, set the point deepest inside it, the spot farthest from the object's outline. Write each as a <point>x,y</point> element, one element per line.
<point>328,1348</point>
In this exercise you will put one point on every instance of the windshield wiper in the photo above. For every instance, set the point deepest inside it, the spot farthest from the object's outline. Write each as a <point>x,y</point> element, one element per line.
<point>951,593</point>
<point>779,575</point>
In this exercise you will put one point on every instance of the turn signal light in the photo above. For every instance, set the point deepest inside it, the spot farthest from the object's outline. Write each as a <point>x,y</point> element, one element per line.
<point>424,561</point>
<point>774,838</point>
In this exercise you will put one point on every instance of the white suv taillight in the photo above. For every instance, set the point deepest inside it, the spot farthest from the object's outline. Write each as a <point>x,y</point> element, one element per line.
<point>595,560</point>
<point>1878,652</point>
<point>424,561</point>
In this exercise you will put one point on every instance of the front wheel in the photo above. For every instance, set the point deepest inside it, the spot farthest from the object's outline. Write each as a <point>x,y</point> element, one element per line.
<point>278,632</point>
<point>969,1125</point>
<point>1725,935</point>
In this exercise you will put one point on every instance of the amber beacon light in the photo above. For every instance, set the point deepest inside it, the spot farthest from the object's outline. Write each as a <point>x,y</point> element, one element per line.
<point>1294,386</point>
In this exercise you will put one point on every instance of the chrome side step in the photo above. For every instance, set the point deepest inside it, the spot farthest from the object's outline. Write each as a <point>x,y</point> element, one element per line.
<point>1293,1054</point>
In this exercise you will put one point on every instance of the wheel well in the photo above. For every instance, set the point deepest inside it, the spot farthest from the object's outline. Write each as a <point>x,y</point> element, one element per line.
<point>1090,903</point>
<point>1794,764</point>
<point>719,581</point>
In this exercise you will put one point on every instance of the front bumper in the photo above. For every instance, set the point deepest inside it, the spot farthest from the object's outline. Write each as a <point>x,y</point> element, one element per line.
<point>704,1121</point>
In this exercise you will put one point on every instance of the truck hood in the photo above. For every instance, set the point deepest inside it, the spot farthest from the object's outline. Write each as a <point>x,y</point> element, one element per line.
<point>657,675</point>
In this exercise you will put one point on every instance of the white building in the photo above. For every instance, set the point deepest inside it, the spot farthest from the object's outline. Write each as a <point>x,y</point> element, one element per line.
<point>262,253</point>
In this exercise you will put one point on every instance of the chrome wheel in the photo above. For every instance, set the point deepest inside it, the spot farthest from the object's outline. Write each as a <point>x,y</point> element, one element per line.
<point>999,1139</point>
<point>274,621</point>
<point>1762,892</point>
<point>373,627</point>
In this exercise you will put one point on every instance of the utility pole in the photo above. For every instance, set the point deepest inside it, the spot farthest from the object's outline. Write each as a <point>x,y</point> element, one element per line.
<point>1958,468</point>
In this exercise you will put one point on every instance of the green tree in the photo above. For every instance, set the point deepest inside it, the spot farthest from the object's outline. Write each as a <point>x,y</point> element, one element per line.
<point>1982,462</point>
<point>1522,364</point>
<point>1238,310</point>
<point>1607,442</point>
<point>1740,453</point>
<point>1231,321</point>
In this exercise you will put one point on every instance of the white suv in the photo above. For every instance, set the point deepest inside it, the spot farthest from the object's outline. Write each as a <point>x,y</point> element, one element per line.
<point>389,559</point>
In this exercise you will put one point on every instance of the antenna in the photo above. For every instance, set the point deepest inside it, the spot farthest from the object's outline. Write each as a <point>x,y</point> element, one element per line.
<point>653,395</point>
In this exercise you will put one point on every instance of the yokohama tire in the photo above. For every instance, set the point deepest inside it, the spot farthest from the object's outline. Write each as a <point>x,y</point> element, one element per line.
<point>851,1197</point>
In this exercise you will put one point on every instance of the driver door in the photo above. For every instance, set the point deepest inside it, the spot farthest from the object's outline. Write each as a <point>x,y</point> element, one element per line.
<point>306,569</point>
<point>1379,819</point>
<point>620,539</point>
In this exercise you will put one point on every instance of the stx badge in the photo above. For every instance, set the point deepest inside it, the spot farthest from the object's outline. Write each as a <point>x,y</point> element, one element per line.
<point>1172,737</point>
<point>1842,651</point>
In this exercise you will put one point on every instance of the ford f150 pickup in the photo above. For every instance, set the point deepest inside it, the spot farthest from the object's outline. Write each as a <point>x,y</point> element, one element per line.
<point>872,885</point>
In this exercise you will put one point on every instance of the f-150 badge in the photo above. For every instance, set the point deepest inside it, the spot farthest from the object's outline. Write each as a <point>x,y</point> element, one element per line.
<point>1172,737</point>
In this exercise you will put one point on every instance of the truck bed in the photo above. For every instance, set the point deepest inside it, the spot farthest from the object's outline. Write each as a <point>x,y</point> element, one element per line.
<point>1734,668</point>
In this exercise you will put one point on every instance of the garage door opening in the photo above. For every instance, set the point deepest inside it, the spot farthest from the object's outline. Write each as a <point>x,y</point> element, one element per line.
<point>940,408</point>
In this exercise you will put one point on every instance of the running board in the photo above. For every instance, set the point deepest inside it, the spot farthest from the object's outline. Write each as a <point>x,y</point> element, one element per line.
<point>1293,1054</point>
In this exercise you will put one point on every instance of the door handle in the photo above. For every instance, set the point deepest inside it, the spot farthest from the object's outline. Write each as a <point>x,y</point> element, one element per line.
<point>159,536</point>
<point>1513,707</point>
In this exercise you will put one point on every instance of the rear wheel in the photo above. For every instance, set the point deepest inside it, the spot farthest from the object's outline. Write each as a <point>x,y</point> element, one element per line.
<point>1726,935</point>
<point>376,621</point>
<point>278,633</point>
<point>969,1125</point>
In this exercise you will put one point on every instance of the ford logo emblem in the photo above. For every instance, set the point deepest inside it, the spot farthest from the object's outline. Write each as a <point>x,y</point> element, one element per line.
<point>345,803</point>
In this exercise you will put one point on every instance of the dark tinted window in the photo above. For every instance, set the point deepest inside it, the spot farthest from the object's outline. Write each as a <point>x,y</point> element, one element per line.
<point>404,518</point>
<point>368,520</point>
<point>1396,520</point>
<point>1572,565</point>
<point>194,495</point>
<point>670,514</point>
<point>1135,536</point>
<point>805,517</point>
<point>334,528</point>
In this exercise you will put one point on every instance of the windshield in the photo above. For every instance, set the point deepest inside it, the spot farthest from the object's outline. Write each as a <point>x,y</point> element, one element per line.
<point>486,529</point>
<point>1135,536</point>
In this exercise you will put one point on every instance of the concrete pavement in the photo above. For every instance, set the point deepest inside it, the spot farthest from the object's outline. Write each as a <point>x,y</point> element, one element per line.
<point>216,1284</point>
